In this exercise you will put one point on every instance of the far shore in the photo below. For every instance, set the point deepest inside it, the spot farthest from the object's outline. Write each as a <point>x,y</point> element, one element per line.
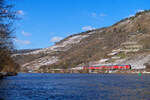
<point>125,72</point>
<point>65,71</point>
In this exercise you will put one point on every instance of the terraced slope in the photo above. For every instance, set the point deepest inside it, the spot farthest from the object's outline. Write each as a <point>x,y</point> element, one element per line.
<point>126,42</point>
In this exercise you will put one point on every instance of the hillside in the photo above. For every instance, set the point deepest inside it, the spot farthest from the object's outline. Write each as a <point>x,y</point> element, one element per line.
<point>126,42</point>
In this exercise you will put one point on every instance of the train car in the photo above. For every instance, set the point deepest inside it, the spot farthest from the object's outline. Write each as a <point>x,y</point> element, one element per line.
<point>108,67</point>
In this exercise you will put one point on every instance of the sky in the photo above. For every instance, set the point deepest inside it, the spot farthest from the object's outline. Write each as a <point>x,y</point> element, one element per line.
<point>45,22</point>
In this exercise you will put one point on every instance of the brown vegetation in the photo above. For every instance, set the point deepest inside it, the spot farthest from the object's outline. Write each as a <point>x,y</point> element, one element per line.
<point>7,16</point>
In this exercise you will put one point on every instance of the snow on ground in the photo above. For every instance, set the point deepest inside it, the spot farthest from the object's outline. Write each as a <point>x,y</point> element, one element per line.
<point>59,47</point>
<point>72,40</point>
<point>37,63</point>
<point>137,62</point>
<point>44,50</point>
<point>103,60</point>
<point>77,68</point>
<point>112,53</point>
<point>40,62</point>
<point>124,22</point>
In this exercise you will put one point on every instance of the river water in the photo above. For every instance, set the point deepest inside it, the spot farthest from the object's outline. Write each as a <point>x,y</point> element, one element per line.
<point>75,87</point>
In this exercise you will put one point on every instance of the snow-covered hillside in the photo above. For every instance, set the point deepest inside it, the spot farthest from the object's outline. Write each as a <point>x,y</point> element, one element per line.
<point>126,42</point>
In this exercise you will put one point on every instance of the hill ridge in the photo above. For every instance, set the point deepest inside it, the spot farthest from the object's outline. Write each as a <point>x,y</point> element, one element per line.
<point>91,47</point>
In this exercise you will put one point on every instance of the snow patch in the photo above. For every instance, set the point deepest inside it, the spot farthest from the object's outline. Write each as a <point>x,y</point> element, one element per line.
<point>59,47</point>
<point>103,60</point>
<point>66,44</point>
<point>77,68</point>
<point>74,39</point>
<point>36,64</point>
<point>91,32</point>
<point>137,62</point>
<point>124,22</point>
<point>112,54</point>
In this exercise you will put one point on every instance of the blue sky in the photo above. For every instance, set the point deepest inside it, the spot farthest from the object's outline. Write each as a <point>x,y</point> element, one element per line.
<point>45,22</point>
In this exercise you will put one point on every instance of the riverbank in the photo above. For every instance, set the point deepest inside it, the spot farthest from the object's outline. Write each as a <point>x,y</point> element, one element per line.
<point>5,74</point>
<point>123,71</point>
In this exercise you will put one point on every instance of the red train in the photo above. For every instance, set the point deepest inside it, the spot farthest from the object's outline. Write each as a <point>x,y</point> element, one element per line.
<point>108,67</point>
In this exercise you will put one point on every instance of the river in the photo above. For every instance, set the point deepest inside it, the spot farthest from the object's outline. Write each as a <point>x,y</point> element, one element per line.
<point>75,87</point>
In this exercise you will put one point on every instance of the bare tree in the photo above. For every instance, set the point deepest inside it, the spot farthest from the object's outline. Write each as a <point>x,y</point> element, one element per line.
<point>7,18</point>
